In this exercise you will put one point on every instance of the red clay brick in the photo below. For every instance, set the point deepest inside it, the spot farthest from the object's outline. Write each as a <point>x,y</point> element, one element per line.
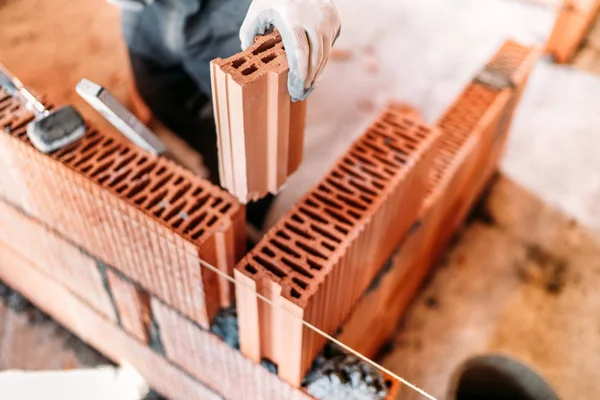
<point>474,131</point>
<point>144,215</point>
<point>213,362</point>
<point>260,131</point>
<point>57,258</point>
<point>71,312</point>
<point>133,305</point>
<point>320,257</point>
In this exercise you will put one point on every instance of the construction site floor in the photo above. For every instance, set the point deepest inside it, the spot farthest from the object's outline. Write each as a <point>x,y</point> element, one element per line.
<point>520,279</point>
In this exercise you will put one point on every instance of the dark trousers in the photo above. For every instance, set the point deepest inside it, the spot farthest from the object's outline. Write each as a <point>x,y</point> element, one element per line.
<point>171,44</point>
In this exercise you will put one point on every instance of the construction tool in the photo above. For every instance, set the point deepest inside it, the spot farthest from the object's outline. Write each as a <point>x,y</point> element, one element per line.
<point>51,130</point>
<point>109,107</point>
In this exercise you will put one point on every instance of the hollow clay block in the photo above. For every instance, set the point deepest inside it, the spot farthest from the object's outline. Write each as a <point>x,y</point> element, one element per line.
<point>474,130</point>
<point>319,258</point>
<point>573,21</point>
<point>55,257</point>
<point>144,215</point>
<point>260,131</point>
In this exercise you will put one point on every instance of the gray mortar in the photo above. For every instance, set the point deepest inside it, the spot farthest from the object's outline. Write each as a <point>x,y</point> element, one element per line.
<point>225,326</point>
<point>336,375</point>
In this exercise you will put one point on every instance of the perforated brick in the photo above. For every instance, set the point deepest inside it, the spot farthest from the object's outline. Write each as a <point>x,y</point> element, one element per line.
<point>260,131</point>
<point>474,129</point>
<point>319,258</point>
<point>142,214</point>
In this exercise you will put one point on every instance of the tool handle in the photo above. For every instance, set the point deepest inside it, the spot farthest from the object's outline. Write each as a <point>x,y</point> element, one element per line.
<point>15,88</point>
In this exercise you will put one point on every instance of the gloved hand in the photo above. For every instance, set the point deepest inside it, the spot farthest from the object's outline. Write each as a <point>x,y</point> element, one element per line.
<point>131,5</point>
<point>308,28</point>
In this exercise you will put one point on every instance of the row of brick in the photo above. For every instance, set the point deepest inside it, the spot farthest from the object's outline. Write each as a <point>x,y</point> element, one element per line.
<point>142,214</point>
<point>176,356</point>
<point>67,283</point>
<point>319,258</point>
<point>474,130</point>
<point>260,130</point>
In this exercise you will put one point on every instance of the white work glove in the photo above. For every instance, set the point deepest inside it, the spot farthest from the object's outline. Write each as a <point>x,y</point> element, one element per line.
<point>308,28</point>
<point>131,5</point>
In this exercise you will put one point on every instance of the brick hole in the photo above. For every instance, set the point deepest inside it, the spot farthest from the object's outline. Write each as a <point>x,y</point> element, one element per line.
<point>122,188</point>
<point>297,218</point>
<point>238,63</point>
<point>350,172</point>
<point>212,220</point>
<point>359,149</point>
<point>91,145</point>
<point>388,171</point>
<point>140,200</point>
<point>251,269</point>
<point>297,268</point>
<point>314,265</point>
<point>142,160</point>
<point>156,199</point>
<point>323,232</point>
<point>338,186</point>
<point>267,251</point>
<point>181,192</point>
<point>225,208</point>
<point>386,162</point>
<point>351,203</point>
<point>377,185</point>
<point>366,199</point>
<point>141,185</point>
<point>311,250</point>
<point>294,293</point>
<point>283,235</point>
<point>268,58</point>
<point>178,223</point>
<point>298,231</point>
<point>324,188</point>
<point>199,203</point>
<point>102,168</point>
<point>124,150</point>
<point>362,188</point>
<point>312,215</point>
<point>175,211</point>
<point>311,203</point>
<point>108,153</point>
<point>353,214</point>
<point>108,142</point>
<point>179,180</point>
<point>266,45</point>
<point>126,161</point>
<point>284,248</point>
<point>269,266</point>
<point>196,235</point>
<point>161,171</point>
<point>194,223</point>
<point>216,202</point>
<point>197,191</point>
<point>363,160</point>
<point>327,201</point>
<point>251,69</point>
<point>161,182</point>
<point>300,283</point>
<point>144,171</point>
<point>328,246</point>
<point>376,149</point>
<point>118,180</point>
<point>85,159</point>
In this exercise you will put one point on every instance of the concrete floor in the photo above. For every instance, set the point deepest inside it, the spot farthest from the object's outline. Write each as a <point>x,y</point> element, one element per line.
<point>421,52</point>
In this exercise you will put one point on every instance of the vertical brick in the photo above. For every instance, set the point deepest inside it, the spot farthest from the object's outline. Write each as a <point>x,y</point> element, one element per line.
<point>319,258</point>
<point>260,131</point>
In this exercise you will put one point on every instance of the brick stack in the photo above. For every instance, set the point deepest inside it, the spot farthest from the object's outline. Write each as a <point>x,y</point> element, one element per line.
<point>573,21</point>
<point>320,257</point>
<point>260,130</point>
<point>474,130</point>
